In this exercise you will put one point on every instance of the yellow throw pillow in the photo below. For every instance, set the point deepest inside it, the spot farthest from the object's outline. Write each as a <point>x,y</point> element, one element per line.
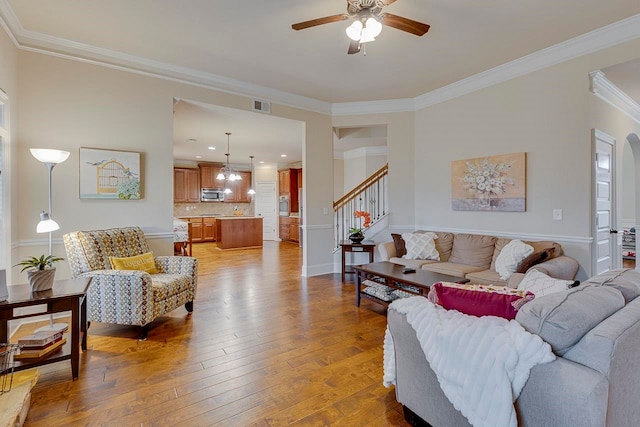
<point>144,262</point>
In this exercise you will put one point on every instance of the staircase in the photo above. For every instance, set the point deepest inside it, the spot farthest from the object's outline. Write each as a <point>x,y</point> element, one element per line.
<point>369,196</point>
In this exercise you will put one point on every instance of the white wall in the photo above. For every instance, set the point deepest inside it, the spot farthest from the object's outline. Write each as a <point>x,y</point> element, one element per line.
<point>9,85</point>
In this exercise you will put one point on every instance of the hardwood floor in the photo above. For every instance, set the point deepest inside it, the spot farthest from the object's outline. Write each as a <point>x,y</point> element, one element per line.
<point>263,347</point>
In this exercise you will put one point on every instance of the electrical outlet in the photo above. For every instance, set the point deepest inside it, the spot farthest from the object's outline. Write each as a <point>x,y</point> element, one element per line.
<point>557,214</point>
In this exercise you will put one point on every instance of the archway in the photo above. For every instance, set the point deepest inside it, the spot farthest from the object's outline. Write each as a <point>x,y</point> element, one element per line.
<point>634,143</point>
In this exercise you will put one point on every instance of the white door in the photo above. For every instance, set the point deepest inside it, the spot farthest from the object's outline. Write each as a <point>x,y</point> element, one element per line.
<point>606,242</point>
<point>266,207</point>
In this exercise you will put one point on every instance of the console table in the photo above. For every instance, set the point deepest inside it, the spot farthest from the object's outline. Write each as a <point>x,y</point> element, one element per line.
<point>66,295</point>
<point>348,246</point>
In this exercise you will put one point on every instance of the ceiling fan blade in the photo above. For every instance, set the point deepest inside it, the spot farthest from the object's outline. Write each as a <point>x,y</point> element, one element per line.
<point>320,21</point>
<point>354,47</point>
<point>404,24</point>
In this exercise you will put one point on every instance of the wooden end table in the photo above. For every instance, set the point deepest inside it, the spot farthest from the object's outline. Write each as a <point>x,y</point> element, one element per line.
<point>367,246</point>
<point>66,295</point>
<point>391,275</point>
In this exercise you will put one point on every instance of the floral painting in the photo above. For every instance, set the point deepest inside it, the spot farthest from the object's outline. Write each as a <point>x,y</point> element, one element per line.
<point>494,183</point>
<point>109,174</point>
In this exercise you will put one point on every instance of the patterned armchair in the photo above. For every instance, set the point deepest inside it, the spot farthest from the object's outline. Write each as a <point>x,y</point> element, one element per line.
<point>129,297</point>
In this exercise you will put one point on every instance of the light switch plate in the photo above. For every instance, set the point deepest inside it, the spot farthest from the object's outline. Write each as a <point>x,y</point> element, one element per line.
<point>557,214</point>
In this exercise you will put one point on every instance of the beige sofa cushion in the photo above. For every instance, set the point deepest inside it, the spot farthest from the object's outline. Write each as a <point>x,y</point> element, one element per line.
<point>444,245</point>
<point>415,263</point>
<point>473,250</point>
<point>486,277</point>
<point>452,269</point>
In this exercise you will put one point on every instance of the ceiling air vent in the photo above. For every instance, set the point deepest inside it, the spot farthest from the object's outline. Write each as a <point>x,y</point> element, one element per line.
<point>261,106</point>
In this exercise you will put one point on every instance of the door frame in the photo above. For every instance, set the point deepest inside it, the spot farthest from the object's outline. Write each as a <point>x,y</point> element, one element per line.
<point>615,247</point>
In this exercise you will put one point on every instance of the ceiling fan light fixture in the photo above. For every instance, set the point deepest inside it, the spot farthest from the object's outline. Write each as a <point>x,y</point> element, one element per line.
<point>354,31</point>
<point>374,28</point>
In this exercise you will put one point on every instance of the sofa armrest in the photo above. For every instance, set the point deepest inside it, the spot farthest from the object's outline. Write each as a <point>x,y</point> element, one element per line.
<point>177,265</point>
<point>562,267</point>
<point>563,393</point>
<point>387,250</point>
<point>124,297</point>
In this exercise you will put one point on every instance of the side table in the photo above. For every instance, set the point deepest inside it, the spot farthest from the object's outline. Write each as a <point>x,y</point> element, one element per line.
<point>66,295</point>
<point>367,246</point>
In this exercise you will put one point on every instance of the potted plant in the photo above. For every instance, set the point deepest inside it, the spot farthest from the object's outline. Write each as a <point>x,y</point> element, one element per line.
<point>356,234</point>
<point>41,273</point>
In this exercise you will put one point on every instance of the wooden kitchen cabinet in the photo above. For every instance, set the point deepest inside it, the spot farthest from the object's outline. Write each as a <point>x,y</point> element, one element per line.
<point>294,229</point>
<point>186,185</point>
<point>196,228</point>
<point>284,182</point>
<point>284,227</point>
<point>208,229</point>
<point>239,189</point>
<point>208,176</point>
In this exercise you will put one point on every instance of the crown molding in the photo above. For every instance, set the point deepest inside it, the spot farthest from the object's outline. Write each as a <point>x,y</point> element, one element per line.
<point>602,38</point>
<point>604,89</point>
<point>56,46</point>
<point>607,36</point>
<point>373,107</point>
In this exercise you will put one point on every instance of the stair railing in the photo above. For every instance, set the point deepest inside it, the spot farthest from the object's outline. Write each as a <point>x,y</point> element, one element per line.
<point>370,196</point>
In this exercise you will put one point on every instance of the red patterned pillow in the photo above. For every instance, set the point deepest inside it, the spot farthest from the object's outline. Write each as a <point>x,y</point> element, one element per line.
<point>480,300</point>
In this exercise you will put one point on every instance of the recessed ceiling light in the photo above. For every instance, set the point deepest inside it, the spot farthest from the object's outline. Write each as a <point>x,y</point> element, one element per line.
<point>192,140</point>
<point>283,155</point>
<point>211,148</point>
<point>198,157</point>
<point>261,161</point>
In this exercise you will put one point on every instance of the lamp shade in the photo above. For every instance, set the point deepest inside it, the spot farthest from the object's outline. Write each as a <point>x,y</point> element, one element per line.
<point>46,224</point>
<point>354,30</point>
<point>46,155</point>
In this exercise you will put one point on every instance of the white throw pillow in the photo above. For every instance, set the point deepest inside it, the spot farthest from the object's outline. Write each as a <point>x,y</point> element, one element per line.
<point>540,284</point>
<point>420,246</point>
<point>511,256</point>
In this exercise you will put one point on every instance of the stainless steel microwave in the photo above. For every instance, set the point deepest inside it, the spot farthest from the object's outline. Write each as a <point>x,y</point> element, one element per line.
<point>212,195</point>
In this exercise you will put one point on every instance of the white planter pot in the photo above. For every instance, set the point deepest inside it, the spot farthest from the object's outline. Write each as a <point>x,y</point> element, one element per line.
<point>41,280</point>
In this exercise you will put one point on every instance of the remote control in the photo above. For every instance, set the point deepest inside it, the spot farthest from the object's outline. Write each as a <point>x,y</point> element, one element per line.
<point>408,270</point>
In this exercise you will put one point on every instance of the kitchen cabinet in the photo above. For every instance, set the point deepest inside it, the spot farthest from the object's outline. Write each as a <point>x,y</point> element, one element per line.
<point>208,176</point>
<point>289,180</point>
<point>284,227</point>
<point>208,229</point>
<point>186,185</point>
<point>203,229</point>
<point>239,189</point>
<point>284,182</point>
<point>294,229</point>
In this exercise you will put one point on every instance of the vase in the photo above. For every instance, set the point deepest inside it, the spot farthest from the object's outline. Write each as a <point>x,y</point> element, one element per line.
<point>41,280</point>
<point>356,237</point>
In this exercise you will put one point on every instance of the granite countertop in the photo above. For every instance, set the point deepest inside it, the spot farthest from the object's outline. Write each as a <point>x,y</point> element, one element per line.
<point>239,217</point>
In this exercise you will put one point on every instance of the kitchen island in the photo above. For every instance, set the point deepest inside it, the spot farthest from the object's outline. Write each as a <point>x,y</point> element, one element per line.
<point>238,232</point>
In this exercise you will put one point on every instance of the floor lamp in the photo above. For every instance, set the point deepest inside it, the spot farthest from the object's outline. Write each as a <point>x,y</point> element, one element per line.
<point>50,158</point>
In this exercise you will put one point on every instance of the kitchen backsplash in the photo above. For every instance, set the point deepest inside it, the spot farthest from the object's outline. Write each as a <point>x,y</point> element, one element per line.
<point>197,209</point>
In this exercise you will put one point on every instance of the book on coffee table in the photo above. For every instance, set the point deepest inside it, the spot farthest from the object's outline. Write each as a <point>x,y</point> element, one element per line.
<point>37,354</point>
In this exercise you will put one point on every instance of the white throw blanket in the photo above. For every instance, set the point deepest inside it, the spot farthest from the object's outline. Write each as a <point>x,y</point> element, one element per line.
<point>482,363</point>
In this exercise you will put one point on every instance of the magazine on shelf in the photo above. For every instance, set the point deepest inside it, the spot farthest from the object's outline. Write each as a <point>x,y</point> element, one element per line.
<point>40,353</point>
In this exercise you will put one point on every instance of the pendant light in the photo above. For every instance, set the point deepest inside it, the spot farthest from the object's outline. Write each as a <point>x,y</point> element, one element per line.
<point>227,172</point>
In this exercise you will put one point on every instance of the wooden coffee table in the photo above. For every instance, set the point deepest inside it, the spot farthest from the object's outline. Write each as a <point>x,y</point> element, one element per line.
<point>391,275</point>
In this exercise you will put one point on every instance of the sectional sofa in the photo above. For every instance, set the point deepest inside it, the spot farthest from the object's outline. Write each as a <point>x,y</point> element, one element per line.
<point>473,256</point>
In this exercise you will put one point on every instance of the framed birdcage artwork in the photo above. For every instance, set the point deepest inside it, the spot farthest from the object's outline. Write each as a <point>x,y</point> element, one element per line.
<point>109,174</point>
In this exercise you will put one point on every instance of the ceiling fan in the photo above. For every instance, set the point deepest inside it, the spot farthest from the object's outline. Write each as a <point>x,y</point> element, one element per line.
<point>368,22</point>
